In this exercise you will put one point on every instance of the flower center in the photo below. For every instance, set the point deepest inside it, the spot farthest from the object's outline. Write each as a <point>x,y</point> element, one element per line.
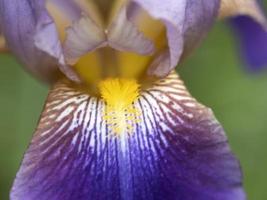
<point>108,38</point>
<point>120,113</point>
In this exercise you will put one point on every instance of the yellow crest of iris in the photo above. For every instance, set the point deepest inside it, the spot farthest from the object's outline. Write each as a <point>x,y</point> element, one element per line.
<point>119,95</point>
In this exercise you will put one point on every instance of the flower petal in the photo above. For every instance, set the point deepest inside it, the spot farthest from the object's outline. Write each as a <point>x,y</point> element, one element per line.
<point>86,35</point>
<point>177,151</point>
<point>123,35</point>
<point>32,36</point>
<point>187,22</point>
<point>230,8</point>
<point>160,66</point>
<point>82,37</point>
<point>253,39</point>
<point>70,8</point>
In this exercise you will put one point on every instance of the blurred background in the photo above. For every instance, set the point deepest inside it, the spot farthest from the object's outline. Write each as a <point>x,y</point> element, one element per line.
<point>214,75</point>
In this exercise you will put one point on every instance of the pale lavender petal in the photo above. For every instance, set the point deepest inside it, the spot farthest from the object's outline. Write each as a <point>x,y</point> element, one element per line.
<point>86,35</point>
<point>32,36</point>
<point>69,7</point>
<point>19,36</point>
<point>178,151</point>
<point>123,35</point>
<point>82,37</point>
<point>160,66</point>
<point>187,22</point>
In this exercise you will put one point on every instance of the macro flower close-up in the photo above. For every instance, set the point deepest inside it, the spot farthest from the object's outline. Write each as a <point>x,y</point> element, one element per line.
<point>118,121</point>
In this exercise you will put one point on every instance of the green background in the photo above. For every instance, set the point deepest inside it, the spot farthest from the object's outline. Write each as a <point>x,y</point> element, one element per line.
<point>214,75</point>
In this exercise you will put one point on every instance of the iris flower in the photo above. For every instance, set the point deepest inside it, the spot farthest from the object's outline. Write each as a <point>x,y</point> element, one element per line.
<point>118,122</point>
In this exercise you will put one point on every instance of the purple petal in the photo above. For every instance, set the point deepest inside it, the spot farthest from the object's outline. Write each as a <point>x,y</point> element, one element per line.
<point>32,36</point>
<point>187,22</point>
<point>253,39</point>
<point>231,8</point>
<point>178,151</point>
